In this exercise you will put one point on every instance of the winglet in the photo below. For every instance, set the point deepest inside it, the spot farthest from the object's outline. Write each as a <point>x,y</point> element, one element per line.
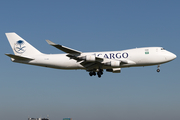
<point>50,42</point>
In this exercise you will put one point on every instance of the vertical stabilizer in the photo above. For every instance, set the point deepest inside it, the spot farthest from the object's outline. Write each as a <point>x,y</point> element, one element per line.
<point>20,46</point>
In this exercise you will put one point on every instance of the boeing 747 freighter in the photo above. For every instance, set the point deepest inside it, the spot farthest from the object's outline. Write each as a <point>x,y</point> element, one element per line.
<point>93,62</point>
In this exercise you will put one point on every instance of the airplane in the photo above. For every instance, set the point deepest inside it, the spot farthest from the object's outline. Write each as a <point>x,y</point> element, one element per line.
<point>92,62</point>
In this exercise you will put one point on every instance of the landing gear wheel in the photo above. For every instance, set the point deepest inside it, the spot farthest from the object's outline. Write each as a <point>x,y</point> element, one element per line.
<point>158,70</point>
<point>99,74</point>
<point>90,73</point>
<point>94,73</point>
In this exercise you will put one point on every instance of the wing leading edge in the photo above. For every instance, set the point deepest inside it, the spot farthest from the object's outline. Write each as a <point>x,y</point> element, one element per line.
<point>63,48</point>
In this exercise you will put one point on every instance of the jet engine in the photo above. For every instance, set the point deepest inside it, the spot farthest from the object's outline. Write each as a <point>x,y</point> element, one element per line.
<point>89,58</point>
<point>113,63</point>
<point>114,70</point>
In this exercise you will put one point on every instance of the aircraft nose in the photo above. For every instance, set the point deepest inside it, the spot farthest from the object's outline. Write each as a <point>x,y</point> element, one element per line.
<point>170,56</point>
<point>174,56</point>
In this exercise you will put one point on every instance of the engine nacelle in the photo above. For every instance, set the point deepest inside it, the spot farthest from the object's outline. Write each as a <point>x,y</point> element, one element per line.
<point>89,58</point>
<point>114,70</point>
<point>113,63</point>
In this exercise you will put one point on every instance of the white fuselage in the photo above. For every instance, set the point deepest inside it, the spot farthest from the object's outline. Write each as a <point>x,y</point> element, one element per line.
<point>135,57</point>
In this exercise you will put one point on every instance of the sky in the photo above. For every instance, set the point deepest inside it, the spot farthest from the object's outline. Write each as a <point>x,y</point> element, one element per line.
<point>138,93</point>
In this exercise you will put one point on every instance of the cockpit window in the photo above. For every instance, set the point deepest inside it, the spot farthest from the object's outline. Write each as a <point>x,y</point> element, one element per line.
<point>162,49</point>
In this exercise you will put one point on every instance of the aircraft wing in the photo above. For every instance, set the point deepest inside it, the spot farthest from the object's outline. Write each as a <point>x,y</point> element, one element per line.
<point>63,48</point>
<point>90,62</point>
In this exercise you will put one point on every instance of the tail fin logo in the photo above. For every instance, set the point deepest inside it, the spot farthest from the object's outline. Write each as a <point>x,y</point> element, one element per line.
<point>19,47</point>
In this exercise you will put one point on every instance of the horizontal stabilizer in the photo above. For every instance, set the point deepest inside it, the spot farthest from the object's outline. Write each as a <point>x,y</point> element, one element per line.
<point>17,57</point>
<point>63,48</point>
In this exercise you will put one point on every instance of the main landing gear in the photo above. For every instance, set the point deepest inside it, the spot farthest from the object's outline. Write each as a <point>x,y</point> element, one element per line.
<point>99,73</point>
<point>92,73</point>
<point>158,70</point>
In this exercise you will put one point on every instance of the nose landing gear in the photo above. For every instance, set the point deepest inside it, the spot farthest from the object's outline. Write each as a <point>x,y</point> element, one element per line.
<point>158,70</point>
